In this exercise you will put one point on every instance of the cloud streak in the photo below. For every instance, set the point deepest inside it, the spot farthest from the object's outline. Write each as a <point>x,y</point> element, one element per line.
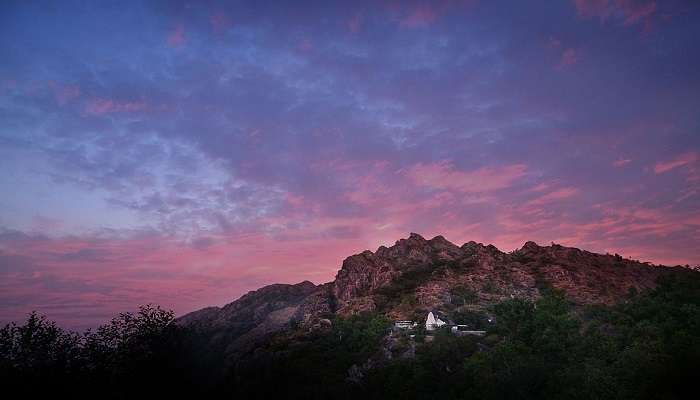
<point>443,175</point>
<point>685,159</point>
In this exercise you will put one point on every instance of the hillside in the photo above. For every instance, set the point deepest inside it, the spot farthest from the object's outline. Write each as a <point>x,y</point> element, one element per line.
<point>415,276</point>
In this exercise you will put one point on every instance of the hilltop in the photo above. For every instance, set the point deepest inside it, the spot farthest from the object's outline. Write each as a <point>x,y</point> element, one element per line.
<point>416,275</point>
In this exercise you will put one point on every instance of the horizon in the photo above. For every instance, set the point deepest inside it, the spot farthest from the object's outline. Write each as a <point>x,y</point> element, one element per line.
<point>184,154</point>
<point>81,329</point>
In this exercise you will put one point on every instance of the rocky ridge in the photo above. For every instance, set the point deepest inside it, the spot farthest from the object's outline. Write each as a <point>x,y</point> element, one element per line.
<point>416,275</point>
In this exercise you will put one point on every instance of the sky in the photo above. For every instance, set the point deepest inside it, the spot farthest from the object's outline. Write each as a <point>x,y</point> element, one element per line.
<point>183,153</point>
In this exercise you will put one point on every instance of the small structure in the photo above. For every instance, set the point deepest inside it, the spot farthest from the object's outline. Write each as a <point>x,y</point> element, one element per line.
<point>462,330</point>
<point>433,322</point>
<point>404,325</point>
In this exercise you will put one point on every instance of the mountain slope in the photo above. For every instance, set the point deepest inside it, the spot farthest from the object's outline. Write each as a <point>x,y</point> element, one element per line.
<point>241,324</point>
<point>416,275</point>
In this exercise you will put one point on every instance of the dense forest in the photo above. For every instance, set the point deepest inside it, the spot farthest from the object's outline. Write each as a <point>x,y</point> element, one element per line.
<point>647,347</point>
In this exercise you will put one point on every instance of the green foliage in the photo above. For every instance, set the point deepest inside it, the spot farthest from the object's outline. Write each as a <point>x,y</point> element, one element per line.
<point>490,287</point>
<point>474,319</point>
<point>311,369</point>
<point>435,372</point>
<point>646,348</point>
<point>359,334</point>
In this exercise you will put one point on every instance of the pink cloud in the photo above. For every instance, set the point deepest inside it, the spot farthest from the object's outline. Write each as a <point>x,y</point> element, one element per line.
<point>542,186</point>
<point>556,195</point>
<point>443,175</point>
<point>646,230</point>
<point>636,11</point>
<point>177,37</point>
<point>680,161</point>
<point>623,222</point>
<point>295,200</point>
<point>101,106</point>
<point>593,8</point>
<point>630,11</point>
<point>421,14</point>
<point>621,162</point>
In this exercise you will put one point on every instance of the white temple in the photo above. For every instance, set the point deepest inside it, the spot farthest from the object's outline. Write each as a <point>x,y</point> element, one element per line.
<point>433,322</point>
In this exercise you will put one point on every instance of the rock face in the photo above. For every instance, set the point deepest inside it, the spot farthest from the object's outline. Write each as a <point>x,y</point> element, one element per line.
<point>363,273</point>
<point>416,275</point>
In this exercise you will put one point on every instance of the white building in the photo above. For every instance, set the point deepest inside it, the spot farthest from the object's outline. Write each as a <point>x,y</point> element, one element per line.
<point>404,324</point>
<point>433,322</point>
<point>461,330</point>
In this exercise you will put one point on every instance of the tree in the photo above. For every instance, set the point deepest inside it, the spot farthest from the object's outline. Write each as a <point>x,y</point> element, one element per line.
<point>39,354</point>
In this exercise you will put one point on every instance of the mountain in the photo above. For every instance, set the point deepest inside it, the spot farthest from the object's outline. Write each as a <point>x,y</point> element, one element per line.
<point>241,324</point>
<point>415,276</point>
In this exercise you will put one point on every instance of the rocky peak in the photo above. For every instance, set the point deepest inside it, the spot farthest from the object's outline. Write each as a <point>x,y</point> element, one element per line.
<point>480,251</point>
<point>471,246</point>
<point>416,275</point>
<point>363,273</point>
<point>414,240</point>
<point>440,243</point>
<point>359,274</point>
<point>413,248</point>
<point>417,249</point>
<point>444,249</point>
<point>415,237</point>
<point>530,246</point>
<point>305,286</point>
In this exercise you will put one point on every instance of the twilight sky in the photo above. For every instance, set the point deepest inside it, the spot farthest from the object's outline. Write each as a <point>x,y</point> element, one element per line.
<point>183,153</point>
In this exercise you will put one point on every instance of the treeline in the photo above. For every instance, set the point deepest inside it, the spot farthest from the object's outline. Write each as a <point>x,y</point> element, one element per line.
<point>645,348</point>
<point>135,355</point>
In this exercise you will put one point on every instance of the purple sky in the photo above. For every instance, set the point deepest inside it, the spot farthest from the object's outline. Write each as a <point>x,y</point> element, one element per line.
<point>183,153</point>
